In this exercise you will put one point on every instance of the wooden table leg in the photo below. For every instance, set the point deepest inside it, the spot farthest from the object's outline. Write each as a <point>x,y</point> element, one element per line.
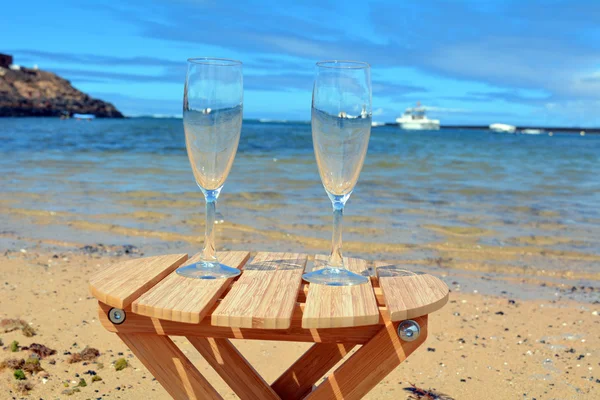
<point>235,370</point>
<point>298,380</point>
<point>369,365</point>
<point>170,366</point>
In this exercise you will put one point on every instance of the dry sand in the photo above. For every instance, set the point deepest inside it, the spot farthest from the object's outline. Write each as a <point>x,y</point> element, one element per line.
<point>479,346</point>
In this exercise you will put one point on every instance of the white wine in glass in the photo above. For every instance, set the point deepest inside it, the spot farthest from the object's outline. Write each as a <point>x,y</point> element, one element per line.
<point>212,120</point>
<point>341,127</point>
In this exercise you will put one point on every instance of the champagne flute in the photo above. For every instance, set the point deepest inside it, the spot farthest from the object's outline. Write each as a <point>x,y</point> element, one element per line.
<point>341,126</point>
<point>212,120</point>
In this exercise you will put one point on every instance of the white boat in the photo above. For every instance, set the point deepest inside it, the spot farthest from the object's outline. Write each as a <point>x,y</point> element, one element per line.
<point>415,119</point>
<point>503,128</point>
<point>87,117</point>
<point>532,131</point>
<point>376,123</point>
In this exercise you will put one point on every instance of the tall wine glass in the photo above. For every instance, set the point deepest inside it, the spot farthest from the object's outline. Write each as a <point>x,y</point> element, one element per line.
<point>341,126</point>
<point>212,120</point>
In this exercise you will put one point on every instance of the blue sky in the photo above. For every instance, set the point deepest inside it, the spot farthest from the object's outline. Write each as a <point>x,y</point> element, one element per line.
<point>472,62</point>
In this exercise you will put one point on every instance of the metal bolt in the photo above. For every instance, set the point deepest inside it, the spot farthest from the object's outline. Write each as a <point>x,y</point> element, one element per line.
<point>116,316</point>
<point>409,330</point>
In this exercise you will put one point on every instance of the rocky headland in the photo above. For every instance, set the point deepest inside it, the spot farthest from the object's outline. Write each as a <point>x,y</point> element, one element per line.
<point>30,92</point>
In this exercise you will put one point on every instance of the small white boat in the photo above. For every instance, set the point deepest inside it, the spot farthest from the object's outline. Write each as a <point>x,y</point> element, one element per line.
<point>375,123</point>
<point>87,117</point>
<point>532,131</point>
<point>503,128</point>
<point>415,119</point>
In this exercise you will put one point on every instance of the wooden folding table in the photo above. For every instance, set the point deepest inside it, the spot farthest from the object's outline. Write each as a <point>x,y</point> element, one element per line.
<point>144,302</point>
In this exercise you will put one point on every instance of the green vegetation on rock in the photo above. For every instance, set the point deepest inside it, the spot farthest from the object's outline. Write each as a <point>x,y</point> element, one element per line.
<point>120,364</point>
<point>19,375</point>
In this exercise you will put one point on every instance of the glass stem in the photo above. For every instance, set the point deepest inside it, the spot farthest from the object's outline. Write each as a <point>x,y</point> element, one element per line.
<point>336,260</point>
<point>208,253</point>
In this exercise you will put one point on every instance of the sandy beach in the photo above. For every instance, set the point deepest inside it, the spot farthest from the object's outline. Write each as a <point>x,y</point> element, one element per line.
<point>531,349</point>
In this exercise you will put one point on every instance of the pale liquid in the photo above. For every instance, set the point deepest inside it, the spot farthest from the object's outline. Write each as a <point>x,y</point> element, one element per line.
<point>340,148</point>
<point>212,139</point>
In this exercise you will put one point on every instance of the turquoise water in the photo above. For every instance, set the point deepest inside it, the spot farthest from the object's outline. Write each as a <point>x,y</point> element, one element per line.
<point>504,189</point>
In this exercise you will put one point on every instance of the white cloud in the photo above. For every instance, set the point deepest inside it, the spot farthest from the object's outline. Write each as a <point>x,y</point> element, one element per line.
<point>447,110</point>
<point>378,112</point>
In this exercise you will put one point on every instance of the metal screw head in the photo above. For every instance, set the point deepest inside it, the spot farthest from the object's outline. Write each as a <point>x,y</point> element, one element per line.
<point>116,316</point>
<point>409,330</point>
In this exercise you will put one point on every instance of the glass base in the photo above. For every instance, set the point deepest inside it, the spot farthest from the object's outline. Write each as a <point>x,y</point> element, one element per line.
<point>334,277</point>
<point>208,270</point>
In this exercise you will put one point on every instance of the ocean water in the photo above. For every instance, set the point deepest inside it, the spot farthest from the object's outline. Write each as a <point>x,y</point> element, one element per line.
<point>471,199</point>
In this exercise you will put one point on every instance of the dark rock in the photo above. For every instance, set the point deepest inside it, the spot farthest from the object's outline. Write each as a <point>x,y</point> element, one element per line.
<point>5,60</point>
<point>27,92</point>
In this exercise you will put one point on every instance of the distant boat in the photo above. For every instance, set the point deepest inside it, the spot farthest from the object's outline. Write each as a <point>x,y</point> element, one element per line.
<point>375,123</point>
<point>532,131</point>
<point>84,116</point>
<point>272,121</point>
<point>415,119</point>
<point>503,128</point>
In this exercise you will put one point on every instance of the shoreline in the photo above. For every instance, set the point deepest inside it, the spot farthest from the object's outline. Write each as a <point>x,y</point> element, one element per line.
<point>531,269</point>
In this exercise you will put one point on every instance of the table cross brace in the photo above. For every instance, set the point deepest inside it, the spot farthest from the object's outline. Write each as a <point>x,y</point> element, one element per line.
<point>354,378</point>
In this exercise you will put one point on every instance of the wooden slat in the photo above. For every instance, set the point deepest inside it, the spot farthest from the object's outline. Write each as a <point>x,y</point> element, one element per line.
<point>265,295</point>
<point>409,295</point>
<point>369,365</point>
<point>177,298</point>
<point>229,363</point>
<point>170,367</point>
<point>341,306</point>
<point>135,323</point>
<point>120,284</point>
<point>303,292</point>
<point>298,380</point>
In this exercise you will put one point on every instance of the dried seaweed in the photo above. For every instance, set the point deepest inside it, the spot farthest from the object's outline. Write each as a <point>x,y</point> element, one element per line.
<point>418,393</point>
<point>28,331</point>
<point>87,354</point>
<point>12,363</point>
<point>41,350</point>
<point>32,365</point>
<point>23,387</point>
<point>14,324</point>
